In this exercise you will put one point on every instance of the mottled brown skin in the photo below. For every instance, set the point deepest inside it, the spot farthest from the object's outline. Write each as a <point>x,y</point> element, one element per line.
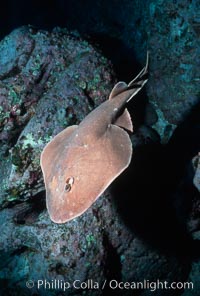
<point>82,161</point>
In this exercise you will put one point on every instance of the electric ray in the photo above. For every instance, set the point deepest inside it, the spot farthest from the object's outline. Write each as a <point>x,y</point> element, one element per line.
<point>83,160</point>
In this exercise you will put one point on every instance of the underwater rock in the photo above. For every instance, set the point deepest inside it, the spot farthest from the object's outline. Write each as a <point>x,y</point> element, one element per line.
<point>196,179</point>
<point>173,41</point>
<point>193,222</point>
<point>53,82</point>
<point>15,51</point>
<point>96,245</point>
<point>170,31</point>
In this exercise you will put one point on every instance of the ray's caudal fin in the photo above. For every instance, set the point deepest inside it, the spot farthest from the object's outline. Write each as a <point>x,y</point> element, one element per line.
<point>83,160</point>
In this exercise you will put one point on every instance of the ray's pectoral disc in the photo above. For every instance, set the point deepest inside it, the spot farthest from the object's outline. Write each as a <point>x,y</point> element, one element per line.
<point>82,161</point>
<point>73,188</point>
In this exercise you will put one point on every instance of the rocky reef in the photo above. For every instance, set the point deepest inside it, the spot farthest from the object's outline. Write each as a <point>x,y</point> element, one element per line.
<point>147,225</point>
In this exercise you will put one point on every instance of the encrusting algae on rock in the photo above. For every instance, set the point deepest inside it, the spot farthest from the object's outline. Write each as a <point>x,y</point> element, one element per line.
<point>43,89</point>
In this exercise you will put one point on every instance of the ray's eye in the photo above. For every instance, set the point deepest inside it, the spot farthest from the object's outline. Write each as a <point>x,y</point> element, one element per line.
<point>68,184</point>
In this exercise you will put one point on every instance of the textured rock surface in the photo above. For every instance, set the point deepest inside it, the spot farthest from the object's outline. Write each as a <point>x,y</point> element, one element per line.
<point>173,29</point>
<point>173,41</point>
<point>95,246</point>
<point>50,82</point>
<point>196,179</point>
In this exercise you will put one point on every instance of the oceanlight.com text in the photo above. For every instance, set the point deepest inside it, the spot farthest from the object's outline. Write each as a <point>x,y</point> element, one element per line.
<point>113,284</point>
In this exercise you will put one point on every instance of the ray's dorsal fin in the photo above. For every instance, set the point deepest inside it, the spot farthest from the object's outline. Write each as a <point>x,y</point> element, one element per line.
<point>125,121</point>
<point>117,89</point>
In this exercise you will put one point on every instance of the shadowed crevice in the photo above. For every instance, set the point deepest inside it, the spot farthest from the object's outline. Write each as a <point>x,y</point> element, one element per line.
<point>154,195</point>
